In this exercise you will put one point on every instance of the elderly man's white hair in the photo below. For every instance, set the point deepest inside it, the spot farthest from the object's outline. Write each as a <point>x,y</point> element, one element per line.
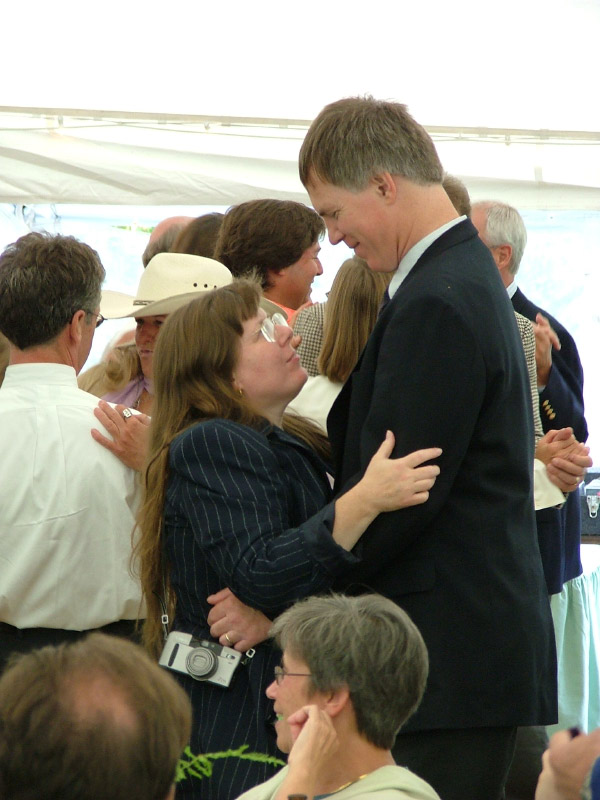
<point>504,225</point>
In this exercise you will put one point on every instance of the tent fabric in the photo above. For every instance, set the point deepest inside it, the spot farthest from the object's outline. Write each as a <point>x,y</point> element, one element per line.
<point>71,156</point>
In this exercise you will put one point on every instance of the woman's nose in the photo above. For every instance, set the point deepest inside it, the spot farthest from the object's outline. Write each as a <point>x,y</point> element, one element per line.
<point>283,333</point>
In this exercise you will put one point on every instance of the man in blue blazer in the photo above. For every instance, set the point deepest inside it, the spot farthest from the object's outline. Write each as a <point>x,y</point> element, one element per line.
<point>560,383</point>
<point>444,366</point>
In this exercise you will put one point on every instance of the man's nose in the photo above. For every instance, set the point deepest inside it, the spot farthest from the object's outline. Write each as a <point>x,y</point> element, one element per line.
<point>335,237</point>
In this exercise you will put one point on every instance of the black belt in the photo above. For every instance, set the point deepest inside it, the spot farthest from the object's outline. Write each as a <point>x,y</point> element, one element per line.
<point>122,627</point>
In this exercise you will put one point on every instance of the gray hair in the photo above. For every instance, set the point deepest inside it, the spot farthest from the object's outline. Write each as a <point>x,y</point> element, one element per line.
<point>353,139</point>
<point>504,225</point>
<point>44,280</point>
<point>366,643</point>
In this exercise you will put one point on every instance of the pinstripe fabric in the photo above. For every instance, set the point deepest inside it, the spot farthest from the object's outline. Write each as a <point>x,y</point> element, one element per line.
<point>244,509</point>
<point>528,338</point>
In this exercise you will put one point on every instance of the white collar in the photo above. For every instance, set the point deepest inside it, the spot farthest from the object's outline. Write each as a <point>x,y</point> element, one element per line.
<point>41,372</point>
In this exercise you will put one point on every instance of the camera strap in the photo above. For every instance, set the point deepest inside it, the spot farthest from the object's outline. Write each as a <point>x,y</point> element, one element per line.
<point>162,599</point>
<point>248,655</point>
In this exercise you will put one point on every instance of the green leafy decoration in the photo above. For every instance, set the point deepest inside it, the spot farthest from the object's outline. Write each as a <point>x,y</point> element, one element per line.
<point>200,766</point>
<point>140,228</point>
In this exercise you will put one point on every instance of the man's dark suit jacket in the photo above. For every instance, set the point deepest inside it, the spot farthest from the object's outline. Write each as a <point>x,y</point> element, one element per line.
<point>561,406</point>
<point>444,366</point>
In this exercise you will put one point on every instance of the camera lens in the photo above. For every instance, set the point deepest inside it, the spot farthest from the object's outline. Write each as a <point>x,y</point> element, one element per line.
<point>201,663</point>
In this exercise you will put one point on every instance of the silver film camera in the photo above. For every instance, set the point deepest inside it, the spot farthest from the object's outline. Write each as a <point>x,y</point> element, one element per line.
<point>201,659</point>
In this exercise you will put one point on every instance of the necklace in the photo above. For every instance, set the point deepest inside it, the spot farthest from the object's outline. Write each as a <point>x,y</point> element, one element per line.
<point>345,785</point>
<point>136,405</point>
<point>144,400</point>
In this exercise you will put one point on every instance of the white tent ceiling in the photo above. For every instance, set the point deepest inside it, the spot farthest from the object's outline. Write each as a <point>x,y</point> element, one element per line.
<point>211,104</point>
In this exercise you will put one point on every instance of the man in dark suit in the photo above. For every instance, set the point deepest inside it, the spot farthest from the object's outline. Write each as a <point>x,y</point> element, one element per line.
<point>560,385</point>
<point>444,366</point>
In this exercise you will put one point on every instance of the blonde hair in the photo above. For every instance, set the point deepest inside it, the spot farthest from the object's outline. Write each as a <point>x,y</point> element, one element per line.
<point>350,316</point>
<point>124,366</point>
<point>195,356</point>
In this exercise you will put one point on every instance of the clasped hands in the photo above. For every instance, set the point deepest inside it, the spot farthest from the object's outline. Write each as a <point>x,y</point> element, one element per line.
<point>565,458</point>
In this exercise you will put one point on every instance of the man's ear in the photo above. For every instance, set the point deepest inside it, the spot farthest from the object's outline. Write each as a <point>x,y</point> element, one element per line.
<point>385,186</point>
<point>276,276</point>
<point>337,701</point>
<point>75,326</point>
<point>503,256</point>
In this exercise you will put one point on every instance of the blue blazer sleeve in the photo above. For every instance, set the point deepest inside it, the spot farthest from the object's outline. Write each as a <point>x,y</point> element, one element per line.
<point>268,542</point>
<point>561,401</point>
<point>563,395</point>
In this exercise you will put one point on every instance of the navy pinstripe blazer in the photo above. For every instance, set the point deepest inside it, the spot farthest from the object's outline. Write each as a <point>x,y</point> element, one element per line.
<point>249,510</point>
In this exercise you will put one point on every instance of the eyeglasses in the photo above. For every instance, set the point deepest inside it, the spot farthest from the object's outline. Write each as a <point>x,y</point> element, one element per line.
<point>281,673</point>
<point>100,318</point>
<point>268,327</point>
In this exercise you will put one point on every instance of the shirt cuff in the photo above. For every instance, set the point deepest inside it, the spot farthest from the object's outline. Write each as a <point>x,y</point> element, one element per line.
<point>546,494</point>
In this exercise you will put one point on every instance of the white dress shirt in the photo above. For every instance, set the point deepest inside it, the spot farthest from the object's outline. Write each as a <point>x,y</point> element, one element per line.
<point>545,493</point>
<point>67,507</point>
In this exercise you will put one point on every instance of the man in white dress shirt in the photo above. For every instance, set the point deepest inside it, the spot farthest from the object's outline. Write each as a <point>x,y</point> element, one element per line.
<point>67,504</point>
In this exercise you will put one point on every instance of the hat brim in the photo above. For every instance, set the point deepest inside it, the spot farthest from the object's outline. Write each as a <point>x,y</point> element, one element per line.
<point>116,305</point>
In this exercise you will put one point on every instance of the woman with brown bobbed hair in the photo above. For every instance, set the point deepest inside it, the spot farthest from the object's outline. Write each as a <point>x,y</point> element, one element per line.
<point>236,496</point>
<point>350,316</point>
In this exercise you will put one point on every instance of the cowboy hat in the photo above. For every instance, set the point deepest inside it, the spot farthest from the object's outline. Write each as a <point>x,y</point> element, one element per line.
<point>169,281</point>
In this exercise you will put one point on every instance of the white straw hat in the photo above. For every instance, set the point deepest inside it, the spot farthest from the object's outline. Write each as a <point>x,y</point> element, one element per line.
<point>169,281</point>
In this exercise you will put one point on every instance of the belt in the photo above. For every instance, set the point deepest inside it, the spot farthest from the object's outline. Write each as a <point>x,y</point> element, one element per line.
<point>121,626</point>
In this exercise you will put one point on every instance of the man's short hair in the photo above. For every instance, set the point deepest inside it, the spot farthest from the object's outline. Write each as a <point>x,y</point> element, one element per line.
<point>366,643</point>
<point>163,243</point>
<point>44,280</point>
<point>92,719</point>
<point>504,225</point>
<point>458,194</point>
<point>353,139</point>
<point>266,235</point>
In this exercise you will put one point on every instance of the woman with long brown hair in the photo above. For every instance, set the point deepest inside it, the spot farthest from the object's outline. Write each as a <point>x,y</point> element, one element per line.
<point>237,496</point>
<point>349,317</point>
